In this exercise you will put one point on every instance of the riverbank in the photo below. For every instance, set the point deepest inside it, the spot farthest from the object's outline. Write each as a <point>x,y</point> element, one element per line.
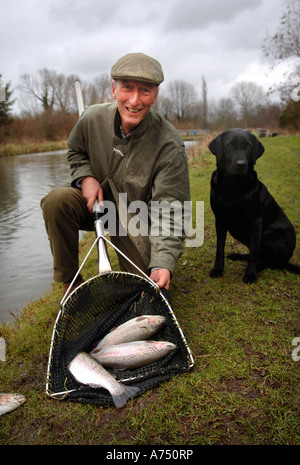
<point>7,150</point>
<point>244,387</point>
<point>50,146</point>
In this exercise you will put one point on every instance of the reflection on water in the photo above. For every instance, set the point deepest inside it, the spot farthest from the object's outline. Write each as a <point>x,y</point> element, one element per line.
<point>26,261</point>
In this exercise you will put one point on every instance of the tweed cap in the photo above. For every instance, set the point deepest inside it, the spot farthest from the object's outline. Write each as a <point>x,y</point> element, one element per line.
<point>139,67</point>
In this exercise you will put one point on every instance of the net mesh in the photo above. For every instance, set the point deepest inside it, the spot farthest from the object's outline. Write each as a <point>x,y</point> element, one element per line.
<point>98,306</point>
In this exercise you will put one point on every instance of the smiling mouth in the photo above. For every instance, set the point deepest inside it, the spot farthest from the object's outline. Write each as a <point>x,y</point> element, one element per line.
<point>131,110</point>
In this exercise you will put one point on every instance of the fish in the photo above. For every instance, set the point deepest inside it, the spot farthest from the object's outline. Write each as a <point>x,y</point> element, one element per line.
<point>9,402</point>
<point>86,370</point>
<point>139,328</point>
<point>134,354</point>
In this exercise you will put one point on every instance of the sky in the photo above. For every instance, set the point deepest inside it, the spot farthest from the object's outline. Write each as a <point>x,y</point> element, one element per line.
<point>220,40</point>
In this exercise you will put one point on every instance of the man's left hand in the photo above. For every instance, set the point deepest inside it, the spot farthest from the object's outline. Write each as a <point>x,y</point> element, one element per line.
<point>162,277</point>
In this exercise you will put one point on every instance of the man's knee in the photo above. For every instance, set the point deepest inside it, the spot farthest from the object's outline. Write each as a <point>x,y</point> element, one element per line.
<point>59,201</point>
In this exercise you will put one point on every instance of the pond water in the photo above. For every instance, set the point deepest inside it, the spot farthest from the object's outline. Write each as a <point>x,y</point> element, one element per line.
<point>25,257</point>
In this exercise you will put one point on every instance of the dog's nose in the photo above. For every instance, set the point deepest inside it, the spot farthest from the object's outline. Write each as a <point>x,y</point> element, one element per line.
<point>241,163</point>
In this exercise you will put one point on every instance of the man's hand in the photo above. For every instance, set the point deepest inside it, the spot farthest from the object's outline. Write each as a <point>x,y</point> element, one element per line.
<point>161,277</point>
<point>91,190</point>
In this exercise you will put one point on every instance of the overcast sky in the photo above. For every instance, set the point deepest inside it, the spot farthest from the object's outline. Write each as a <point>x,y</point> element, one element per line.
<point>218,39</point>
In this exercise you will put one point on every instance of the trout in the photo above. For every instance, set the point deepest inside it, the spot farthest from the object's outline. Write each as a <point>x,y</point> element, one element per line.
<point>87,370</point>
<point>133,354</point>
<point>136,329</point>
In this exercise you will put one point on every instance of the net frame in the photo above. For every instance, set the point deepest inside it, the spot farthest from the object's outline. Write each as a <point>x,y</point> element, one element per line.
<point>90,312</point>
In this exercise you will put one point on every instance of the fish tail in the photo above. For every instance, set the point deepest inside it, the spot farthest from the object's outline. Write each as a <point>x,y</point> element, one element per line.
<point>121,399</point>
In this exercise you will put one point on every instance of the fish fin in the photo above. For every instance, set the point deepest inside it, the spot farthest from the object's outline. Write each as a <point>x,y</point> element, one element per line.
<point>95,351</point>
<point>121,399</point>
<point>117,369</point>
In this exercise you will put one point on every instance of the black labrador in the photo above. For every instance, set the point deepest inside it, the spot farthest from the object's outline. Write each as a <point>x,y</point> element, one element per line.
<point>243,206</point>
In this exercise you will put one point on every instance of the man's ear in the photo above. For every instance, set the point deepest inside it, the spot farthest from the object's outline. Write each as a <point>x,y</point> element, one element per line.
<point>113,90</point>
<point>155,95</point>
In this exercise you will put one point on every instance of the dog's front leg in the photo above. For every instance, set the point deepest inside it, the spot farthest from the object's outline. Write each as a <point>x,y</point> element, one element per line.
<point>251,270</point>
<point>217,270</point>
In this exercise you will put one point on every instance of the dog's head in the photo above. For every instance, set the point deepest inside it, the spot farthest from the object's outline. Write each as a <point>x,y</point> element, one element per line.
<point>237,151</point>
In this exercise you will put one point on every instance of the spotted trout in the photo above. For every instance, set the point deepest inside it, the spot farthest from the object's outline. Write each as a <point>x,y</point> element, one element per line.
<point>137,329</point>
<point>87,370</point>
<point>135,354</point>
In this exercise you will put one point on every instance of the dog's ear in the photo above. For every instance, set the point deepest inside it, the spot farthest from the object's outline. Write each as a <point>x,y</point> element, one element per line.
<point>258,149</point>
<point>215,146</point>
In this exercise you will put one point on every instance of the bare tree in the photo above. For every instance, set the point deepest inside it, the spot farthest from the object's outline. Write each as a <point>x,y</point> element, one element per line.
<point>164,106</point>
<point>284,45</point>
<point>183,95</point>
<point>103,85</point>
<point>40,88</point>
<point>286,41</point>
<point>65,101</point>
<point>248,96</point>
<point>225,115</point>
<point>204,103</point>
<point>49,91</point>
<point>99,90</point>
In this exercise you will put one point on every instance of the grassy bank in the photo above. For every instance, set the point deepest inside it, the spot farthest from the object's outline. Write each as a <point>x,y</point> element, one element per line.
<point>7,150</point>
<point>244,388</point>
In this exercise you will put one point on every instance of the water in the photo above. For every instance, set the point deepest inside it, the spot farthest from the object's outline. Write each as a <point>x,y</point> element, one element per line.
<point>25,257</point>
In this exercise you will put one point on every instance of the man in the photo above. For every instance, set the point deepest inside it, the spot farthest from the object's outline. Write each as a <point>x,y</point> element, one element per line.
<point>123,147</point>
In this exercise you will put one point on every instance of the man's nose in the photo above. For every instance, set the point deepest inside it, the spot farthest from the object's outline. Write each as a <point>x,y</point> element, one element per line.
<point>134,97</point>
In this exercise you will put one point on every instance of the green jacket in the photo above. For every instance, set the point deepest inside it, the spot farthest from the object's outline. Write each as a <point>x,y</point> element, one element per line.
<point>150,164</point>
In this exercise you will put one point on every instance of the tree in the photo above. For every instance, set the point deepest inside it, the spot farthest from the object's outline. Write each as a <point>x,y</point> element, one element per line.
<point>290,117</point>
<point>48,90</point>
<point>64,93</point>
<point>164,106</point>
<point>99,90</point>
<point>41,88</point>
<point>183,96</point>
<point>204,103</point>
<point>284,46</point>
<point>248,96</point>
<point>5,105</point>
<point>225,115</point>
<point>286,41</point>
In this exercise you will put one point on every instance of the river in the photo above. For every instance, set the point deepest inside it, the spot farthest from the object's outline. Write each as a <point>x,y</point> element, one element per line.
<point>25,257</point>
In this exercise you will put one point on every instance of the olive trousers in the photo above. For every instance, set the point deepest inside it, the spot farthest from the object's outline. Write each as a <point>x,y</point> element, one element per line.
<point>65,214</point>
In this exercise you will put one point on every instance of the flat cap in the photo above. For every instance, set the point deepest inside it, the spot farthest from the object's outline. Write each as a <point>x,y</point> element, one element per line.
<point>139,67</point>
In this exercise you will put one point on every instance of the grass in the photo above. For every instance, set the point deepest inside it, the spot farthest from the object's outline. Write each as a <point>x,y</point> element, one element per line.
<point>244,388</point>
<point>7,150</point>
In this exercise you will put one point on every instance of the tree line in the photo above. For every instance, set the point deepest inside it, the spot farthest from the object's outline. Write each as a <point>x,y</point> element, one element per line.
<point>48,98</point>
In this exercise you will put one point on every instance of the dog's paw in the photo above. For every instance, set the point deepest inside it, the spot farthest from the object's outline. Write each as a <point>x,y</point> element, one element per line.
<point>250,278</point>
<point>216,273</point>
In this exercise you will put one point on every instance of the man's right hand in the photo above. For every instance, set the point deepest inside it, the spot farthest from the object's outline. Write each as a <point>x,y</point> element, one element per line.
<point>91,190</point>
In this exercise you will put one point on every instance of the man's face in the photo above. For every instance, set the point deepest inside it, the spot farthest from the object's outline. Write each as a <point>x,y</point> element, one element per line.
<point>134,100</point>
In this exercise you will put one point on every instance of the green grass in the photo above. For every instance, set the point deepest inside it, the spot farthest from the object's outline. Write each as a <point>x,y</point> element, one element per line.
<point>7,150</point>
<point>244,388</point>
